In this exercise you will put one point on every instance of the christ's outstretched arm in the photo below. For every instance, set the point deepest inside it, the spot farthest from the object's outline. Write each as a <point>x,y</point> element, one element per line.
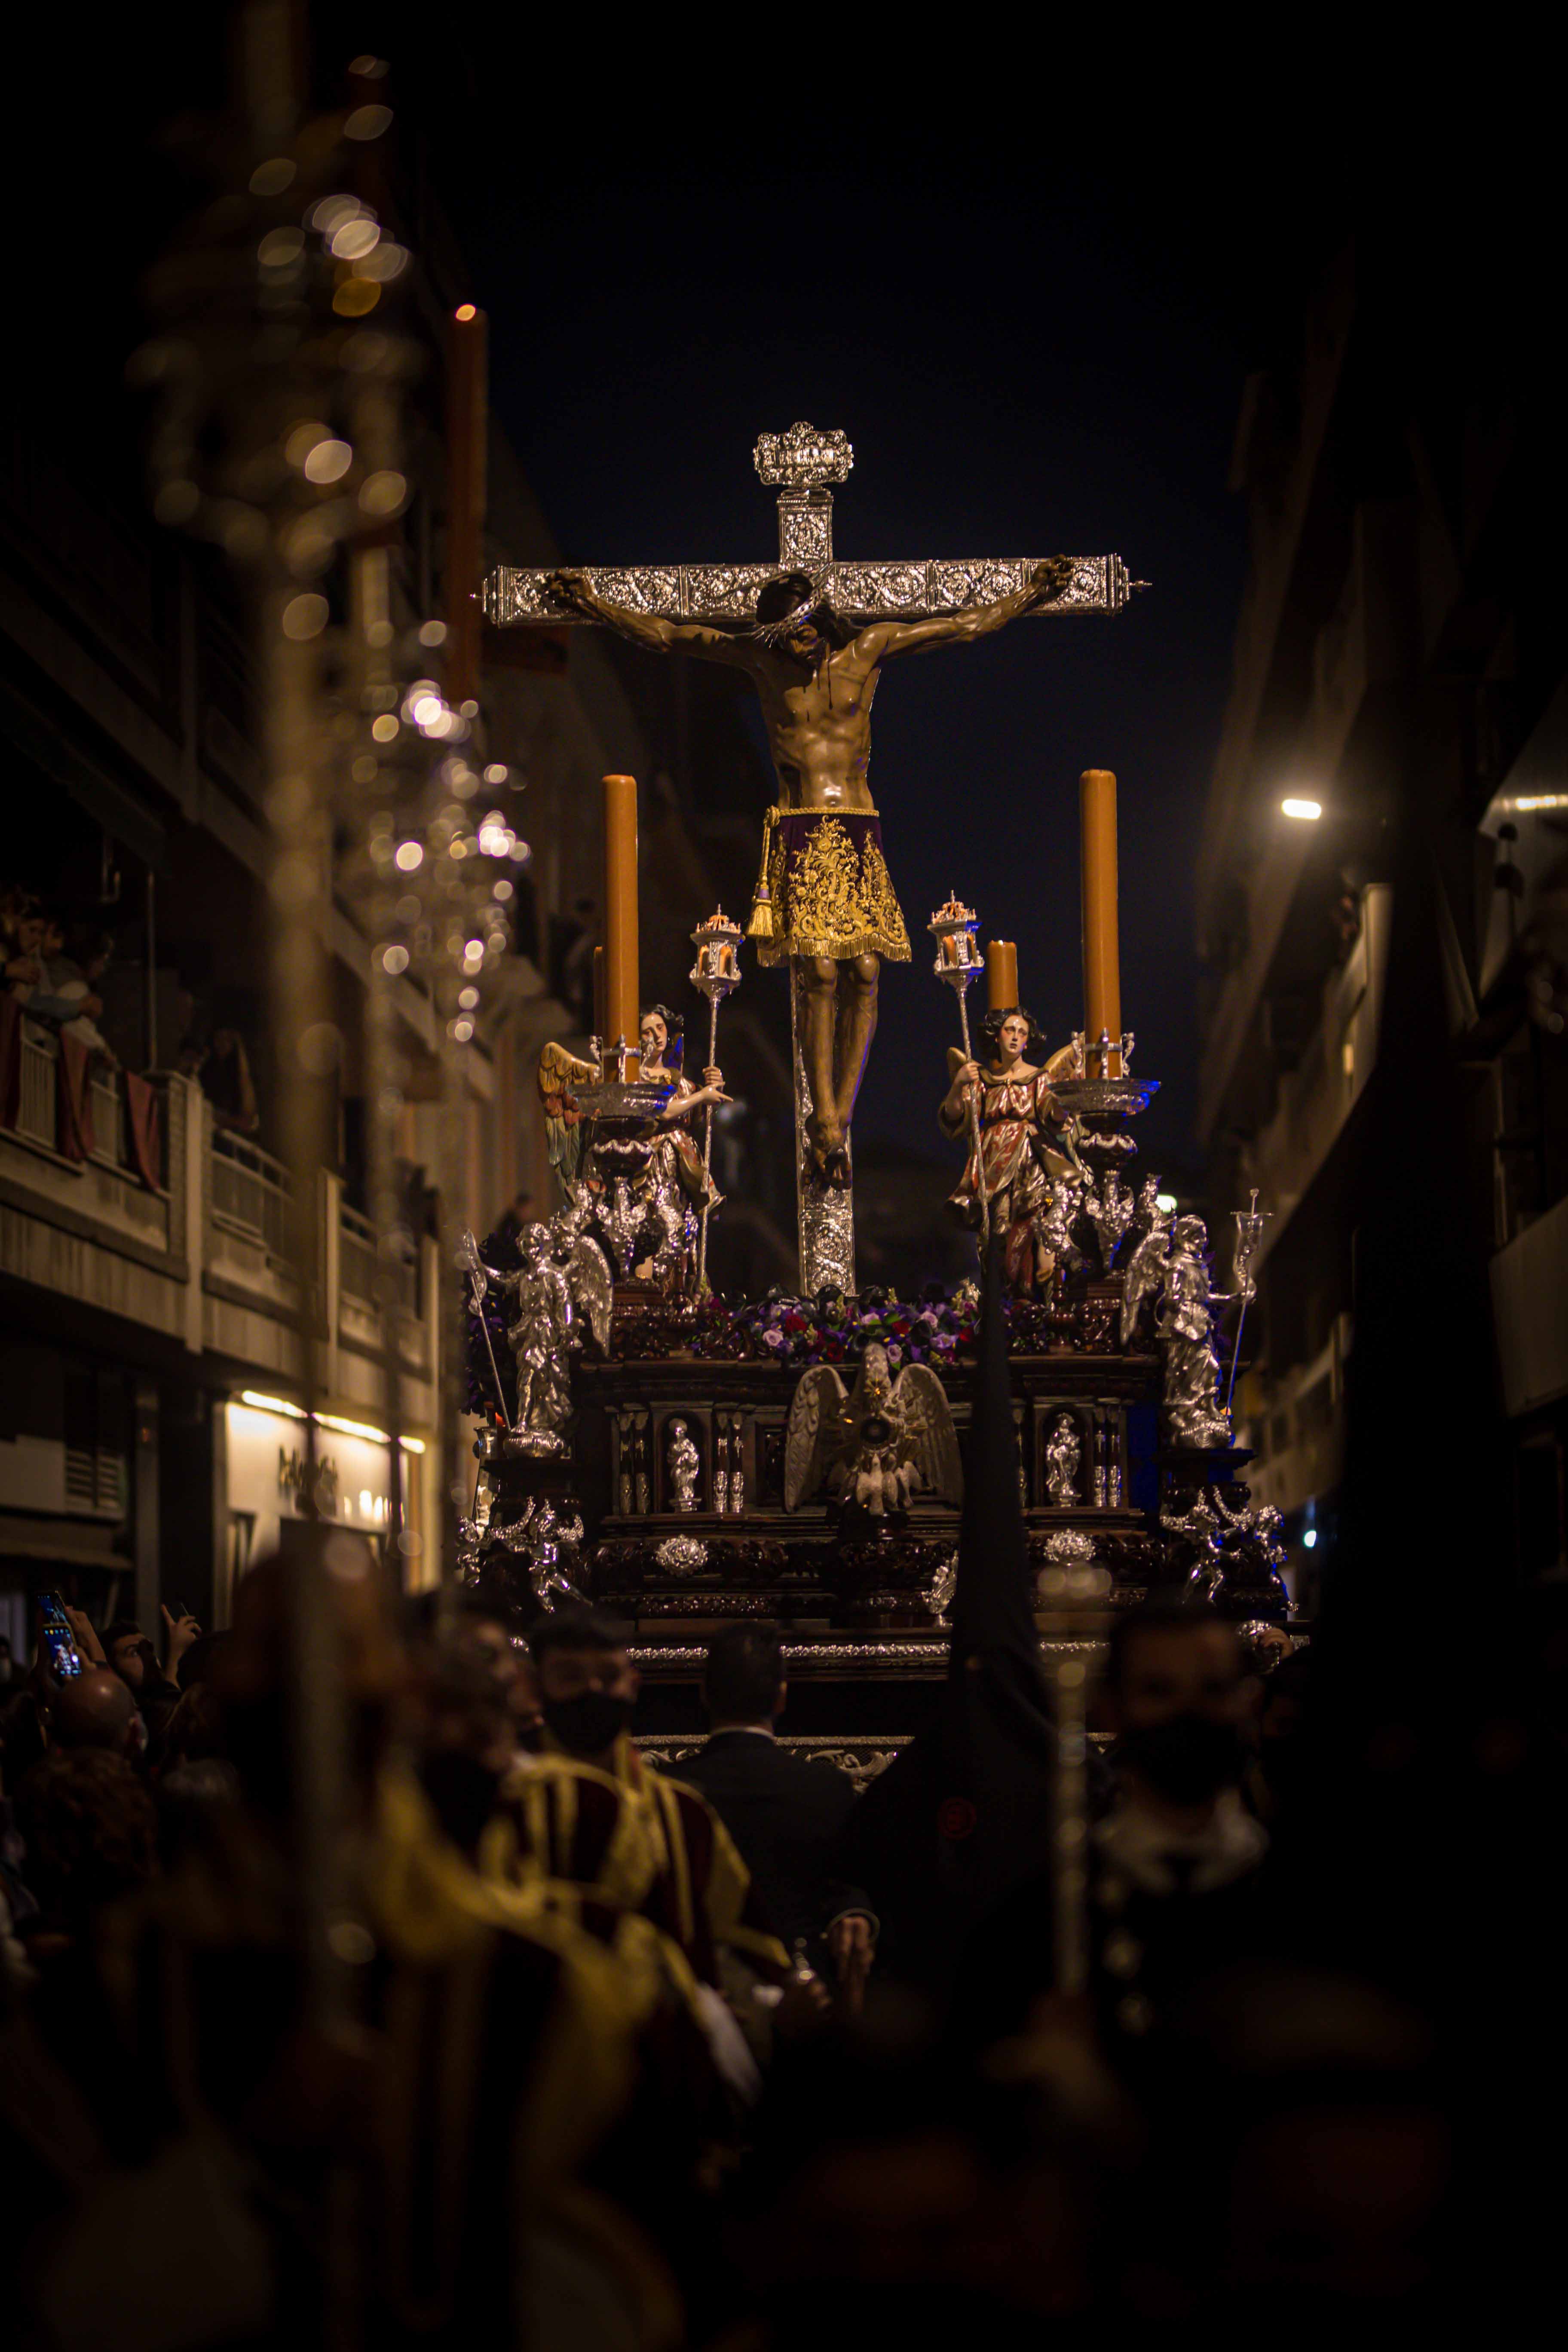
<point>574,593</point>
<point>885,639</point>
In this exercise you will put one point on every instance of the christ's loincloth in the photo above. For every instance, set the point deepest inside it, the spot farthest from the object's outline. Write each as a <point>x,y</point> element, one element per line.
<point>825,889</point>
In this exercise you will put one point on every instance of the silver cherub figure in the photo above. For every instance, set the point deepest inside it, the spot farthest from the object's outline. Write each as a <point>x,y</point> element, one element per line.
<point>549,1545</point>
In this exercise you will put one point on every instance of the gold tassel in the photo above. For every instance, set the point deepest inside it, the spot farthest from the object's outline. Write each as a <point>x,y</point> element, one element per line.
<point>761,924</point>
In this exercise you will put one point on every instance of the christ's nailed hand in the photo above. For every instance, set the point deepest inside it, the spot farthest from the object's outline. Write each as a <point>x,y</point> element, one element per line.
<point>571,590</point>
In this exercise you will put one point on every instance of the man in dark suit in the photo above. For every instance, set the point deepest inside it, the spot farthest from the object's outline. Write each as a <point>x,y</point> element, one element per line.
<point>786,1815</point>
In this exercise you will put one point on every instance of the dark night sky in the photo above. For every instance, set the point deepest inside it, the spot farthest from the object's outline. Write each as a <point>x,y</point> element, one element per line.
<point>1024,364</point>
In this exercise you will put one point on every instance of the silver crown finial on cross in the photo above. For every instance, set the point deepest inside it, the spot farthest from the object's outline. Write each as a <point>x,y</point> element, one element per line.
<point>802,462</point>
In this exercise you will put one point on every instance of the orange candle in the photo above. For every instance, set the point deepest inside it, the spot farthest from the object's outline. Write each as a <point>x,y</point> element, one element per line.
<point>1102,948</point>
<point>1001,975</point>
<point>467,434</point>
<point>621,1007</point>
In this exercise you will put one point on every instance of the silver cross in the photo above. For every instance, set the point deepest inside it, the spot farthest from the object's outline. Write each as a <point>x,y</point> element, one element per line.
<point>802,463</point>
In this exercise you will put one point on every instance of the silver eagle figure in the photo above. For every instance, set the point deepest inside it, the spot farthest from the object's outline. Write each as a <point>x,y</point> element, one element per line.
<point>874,1446</point>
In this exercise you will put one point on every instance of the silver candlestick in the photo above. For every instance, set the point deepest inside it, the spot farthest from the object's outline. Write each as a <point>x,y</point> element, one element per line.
<point>958,961</point>
<point>716,974</point>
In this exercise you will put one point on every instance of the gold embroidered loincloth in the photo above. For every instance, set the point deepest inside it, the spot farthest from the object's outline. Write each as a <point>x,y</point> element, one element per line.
<point>825,889</point>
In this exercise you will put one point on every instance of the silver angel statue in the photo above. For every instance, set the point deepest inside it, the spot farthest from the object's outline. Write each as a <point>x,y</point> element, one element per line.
<point>553,1301</point>
<point>876,1446</point>
<point>1168,1279</point>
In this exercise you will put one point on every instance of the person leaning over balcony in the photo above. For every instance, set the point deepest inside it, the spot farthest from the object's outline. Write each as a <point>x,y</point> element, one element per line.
<point>222,1069</point>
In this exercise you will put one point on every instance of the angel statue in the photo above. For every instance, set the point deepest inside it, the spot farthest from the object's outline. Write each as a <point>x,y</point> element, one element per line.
<point>874,1447</point>
<point>1028,1145</point>
<point>642,1193</point>
<point>677,1151</point>
<point>1168,1275</point>
<point>552,1301</point>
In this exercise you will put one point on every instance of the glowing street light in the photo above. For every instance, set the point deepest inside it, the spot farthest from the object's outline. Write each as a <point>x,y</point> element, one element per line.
<point>1304,811</point>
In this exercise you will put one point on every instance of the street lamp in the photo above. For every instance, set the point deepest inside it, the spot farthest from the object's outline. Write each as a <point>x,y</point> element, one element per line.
<point>1304,811</point>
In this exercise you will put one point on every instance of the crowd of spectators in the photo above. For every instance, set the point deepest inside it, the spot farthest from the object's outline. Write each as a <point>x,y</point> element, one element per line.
<point>356,1953</point>
<point>52,996</point>
<point>51,970</point>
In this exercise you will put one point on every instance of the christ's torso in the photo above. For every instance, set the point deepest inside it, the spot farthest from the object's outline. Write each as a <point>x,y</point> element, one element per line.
<point>819,727</point>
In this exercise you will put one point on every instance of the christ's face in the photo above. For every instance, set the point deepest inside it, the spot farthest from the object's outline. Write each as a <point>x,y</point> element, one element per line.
<point>654,1038</point>
<point>1014,1037</point>
<point>805,641</point>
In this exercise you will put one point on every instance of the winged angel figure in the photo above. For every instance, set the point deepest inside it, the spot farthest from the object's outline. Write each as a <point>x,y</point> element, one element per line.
<point>875,1447</point>
<point>552,1301</point>
<point>1168,1275</point>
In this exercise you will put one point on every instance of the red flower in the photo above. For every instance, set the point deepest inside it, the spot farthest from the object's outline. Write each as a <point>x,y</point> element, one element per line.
<point>833,1351</point>
<point>902,1328</point>
<point>794,1322</point>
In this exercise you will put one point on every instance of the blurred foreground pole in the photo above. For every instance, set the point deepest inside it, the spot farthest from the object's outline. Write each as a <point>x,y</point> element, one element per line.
<point>467,433</point>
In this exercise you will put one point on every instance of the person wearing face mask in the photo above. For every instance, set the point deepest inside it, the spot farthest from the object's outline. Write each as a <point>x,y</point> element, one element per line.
<point>604,1832</point>
<point>1176,1858</point>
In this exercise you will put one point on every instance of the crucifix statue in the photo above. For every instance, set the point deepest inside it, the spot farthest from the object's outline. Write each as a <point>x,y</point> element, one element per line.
<point>812,634</point>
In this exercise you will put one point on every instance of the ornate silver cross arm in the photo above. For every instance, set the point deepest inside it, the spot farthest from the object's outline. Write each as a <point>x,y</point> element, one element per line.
<point>802,464</point>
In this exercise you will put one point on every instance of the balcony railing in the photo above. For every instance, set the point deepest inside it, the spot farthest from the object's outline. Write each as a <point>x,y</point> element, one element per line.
<point>250,1192</point>
<point>37,1109</point>
<point>358,1260</point>
<point>38,1104</point>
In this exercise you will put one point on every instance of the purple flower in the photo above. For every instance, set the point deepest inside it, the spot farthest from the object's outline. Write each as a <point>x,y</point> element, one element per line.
<point>771,1339</point>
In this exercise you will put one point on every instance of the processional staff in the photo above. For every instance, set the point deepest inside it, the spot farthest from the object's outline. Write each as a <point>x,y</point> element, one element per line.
<point>958,961</point>
<point>716,974</point>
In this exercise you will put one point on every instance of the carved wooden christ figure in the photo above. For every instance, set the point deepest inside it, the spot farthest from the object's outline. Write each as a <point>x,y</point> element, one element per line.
<point>825,903</point>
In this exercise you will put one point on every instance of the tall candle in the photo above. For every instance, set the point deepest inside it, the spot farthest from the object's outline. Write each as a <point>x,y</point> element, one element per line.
<point>1101,949</point>
<point>1001,975</point>
<point>467,434</point>
<point>621,1006</point>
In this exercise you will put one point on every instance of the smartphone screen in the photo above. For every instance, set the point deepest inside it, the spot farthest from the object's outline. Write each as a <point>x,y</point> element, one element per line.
<point>59,1640</point>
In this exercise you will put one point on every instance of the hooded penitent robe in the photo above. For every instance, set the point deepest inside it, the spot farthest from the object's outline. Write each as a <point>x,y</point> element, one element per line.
<point>963,1815</point>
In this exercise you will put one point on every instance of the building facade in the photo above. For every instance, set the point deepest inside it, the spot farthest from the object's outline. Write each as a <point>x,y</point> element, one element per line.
<point>1400,658</point>
<point>150,1437</point>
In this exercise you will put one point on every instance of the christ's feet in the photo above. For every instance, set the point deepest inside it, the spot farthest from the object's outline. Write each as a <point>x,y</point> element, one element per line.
<point>829,1149</point>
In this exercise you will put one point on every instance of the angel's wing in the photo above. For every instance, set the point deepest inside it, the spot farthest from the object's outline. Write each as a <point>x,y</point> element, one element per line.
<point>1062,1065</point>
<point>814,1420</point>
<point>926,1418</point>
<point>559,1071</point>
<point>592,1286</point>
<point>1145,1272</point>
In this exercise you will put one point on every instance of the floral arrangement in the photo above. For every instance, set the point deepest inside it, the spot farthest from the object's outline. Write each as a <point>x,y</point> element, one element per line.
<point>832,1328</point>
